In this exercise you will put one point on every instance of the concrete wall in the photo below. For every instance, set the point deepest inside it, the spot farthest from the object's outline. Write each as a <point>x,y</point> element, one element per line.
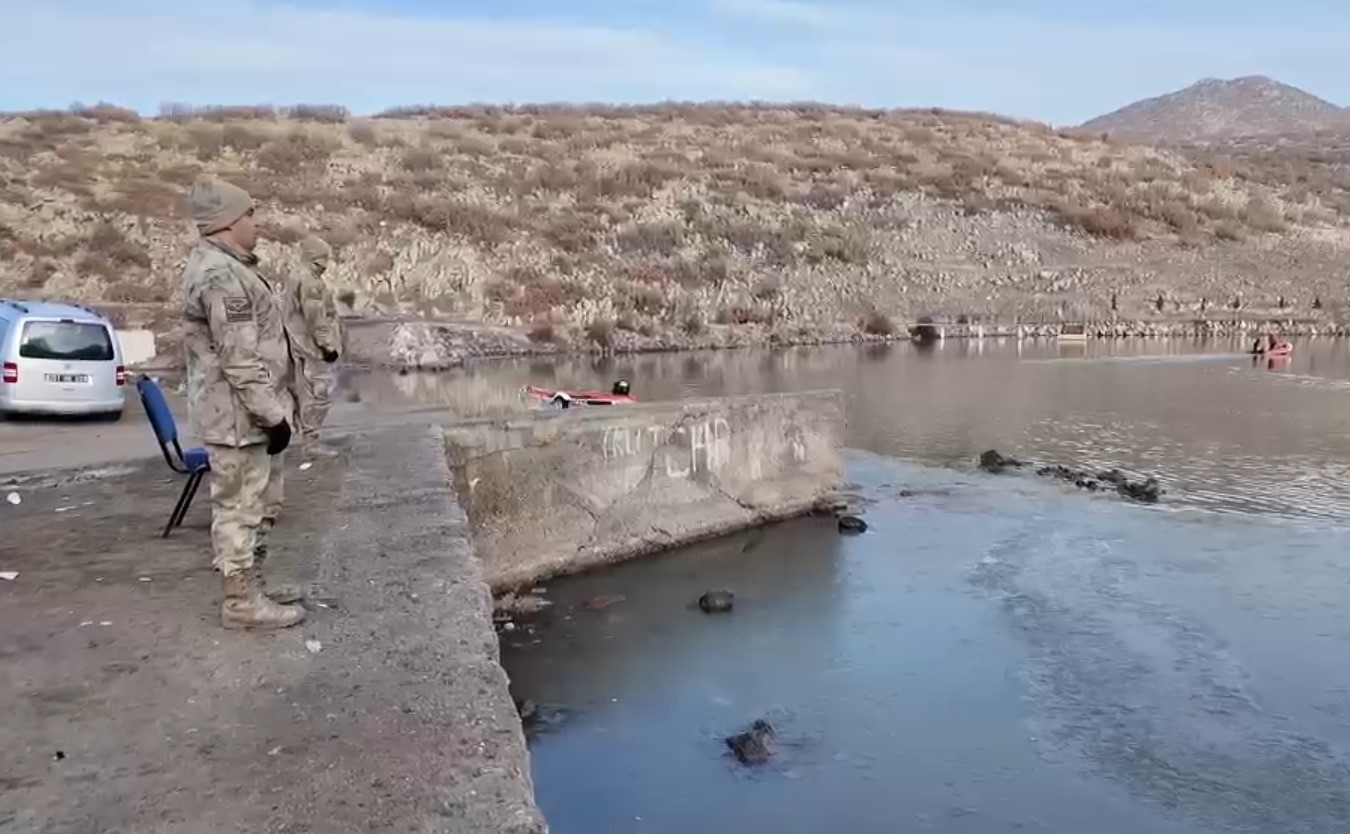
<point>138,346</point>
<point>557,492</point>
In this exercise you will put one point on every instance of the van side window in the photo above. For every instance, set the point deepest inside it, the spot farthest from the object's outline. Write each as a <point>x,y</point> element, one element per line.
<point>68,341</point>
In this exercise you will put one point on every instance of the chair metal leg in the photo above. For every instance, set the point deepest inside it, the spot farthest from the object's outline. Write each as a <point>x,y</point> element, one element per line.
<point>184,502</point>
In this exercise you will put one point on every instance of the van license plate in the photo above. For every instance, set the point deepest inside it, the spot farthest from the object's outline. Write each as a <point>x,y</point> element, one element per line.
<point>68,378</point>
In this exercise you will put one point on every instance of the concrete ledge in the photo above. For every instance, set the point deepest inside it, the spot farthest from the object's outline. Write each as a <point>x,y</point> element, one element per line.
<point>138,346</point>
<point>557,492</point>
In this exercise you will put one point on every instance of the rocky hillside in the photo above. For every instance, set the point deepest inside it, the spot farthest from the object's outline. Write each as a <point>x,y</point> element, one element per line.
<point>673,224</point>
<point>1214,110</point>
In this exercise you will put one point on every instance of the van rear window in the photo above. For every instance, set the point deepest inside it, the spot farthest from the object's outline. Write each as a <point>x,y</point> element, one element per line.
<point>66,340</point>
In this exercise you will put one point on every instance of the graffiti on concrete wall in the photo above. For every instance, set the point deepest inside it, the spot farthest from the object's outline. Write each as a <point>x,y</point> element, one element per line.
<point>686,450</point>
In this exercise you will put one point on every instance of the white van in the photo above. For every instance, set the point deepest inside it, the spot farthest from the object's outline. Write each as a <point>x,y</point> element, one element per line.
<point>60,359</point>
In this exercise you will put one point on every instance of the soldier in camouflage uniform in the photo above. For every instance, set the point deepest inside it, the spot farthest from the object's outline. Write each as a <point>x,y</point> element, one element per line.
<point>239,369</point>
<point>316,340</point>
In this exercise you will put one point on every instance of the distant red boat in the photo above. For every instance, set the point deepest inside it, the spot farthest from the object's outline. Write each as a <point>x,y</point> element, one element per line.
<point>620,394</point>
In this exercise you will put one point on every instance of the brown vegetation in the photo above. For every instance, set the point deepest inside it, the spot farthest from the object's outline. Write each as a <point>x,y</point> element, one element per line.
<point>639,220</point>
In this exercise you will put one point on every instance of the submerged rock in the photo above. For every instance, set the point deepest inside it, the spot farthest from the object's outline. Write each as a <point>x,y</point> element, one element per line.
<point>851,524</point>
<point>995,463</point>
<point>602,602</point>
<point>528,711</point>
<point>717,602</point>
<point>1147,491</point>
<point>752,746</point>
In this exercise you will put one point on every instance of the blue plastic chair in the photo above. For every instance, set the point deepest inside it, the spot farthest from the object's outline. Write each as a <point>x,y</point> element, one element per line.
<point>195,463</point>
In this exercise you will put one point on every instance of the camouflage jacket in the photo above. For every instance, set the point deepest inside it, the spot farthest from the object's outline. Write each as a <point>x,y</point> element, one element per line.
<point>238,360</point>
<point>312,321</point>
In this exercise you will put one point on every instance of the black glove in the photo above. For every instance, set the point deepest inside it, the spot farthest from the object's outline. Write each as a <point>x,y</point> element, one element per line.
<point>330,356</point>
<point>278,437</point>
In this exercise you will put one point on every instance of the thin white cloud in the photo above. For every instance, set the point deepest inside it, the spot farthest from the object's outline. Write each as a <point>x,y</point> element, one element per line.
<point>146,51</point>
<point>777,11</point>
<point>1030,62</point>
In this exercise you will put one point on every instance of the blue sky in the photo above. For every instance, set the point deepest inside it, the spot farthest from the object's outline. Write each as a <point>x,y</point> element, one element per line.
<point>1051,60</point>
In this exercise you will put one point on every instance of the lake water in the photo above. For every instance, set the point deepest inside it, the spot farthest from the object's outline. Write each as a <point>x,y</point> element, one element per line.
<point>998,653</point>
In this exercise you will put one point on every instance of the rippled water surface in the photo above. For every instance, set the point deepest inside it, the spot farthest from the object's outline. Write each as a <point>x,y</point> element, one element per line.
<point>998,653</point>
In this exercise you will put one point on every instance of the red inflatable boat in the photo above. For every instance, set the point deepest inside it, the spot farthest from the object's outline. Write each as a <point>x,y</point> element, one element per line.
<point>618,395</point>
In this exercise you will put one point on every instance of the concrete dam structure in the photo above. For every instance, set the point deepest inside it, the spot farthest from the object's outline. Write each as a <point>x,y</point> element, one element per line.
<point>558,492</point>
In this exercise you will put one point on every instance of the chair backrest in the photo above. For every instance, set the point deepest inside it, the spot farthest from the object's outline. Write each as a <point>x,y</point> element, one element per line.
<point>157,409</point>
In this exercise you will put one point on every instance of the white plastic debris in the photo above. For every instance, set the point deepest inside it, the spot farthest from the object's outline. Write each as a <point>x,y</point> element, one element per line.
<point>314,646</point>
<point>64,509</point>
<point>305,465</point>
<point>14,499</point>
<point>9,575</point>
<point>106,623</point>
<point>144,579</point>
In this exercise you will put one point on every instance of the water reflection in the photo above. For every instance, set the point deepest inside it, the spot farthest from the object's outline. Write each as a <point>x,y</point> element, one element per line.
<point>1221,430</point>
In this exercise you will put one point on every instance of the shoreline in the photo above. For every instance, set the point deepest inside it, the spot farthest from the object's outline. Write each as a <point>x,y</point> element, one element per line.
<point>421,344</point>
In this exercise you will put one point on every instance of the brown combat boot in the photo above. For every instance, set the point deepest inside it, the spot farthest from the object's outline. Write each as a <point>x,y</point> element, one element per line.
<point>245,607</point>
<point>283,594</point>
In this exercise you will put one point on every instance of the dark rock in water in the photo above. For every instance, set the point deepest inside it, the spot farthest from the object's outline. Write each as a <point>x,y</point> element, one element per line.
<point>717,602</point>
<point>1115,476</point>
<point>1148,491</point>
<point>852,524</point>
<point>752,746</point>
<point>992,461</point>
<point>528,710</point>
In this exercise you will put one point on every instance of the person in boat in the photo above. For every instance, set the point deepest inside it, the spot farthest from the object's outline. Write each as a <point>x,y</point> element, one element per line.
<point>1266,343</point>
<point>621,388</point>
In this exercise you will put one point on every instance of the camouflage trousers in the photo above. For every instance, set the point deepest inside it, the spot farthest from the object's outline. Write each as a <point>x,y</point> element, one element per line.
<point>247,489</point>
<point>313,385</point>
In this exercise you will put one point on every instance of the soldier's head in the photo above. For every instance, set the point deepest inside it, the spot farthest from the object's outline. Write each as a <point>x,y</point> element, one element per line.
<point>316,253</point>
<point>224,212</point>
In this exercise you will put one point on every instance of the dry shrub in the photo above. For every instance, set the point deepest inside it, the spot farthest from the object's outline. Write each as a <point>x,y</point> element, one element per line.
<point>105,113</point>
<point>293,152</point>
<point>570,232</point>
<point>144,197</point>
<point>601,332</point>
<point>1230,230</point>
<point>112,246</point>
<point>544,333</point>
<point>1263,216</point>
<point>746,314</point>
<point>242,138</point>
<point>209,140</point>
<point>693,324</point>
<point>542,295</point>
<point>823,197</point>
<point>281,232</point>
<point>75,176</point>
<point>636,179</point>
<point>1097,221</point>
<point>643,298</point>
<point>850,246</point>
<point>131,292</point>
<point>421,159</point>
<point>364,133</point>
<point>332,114</point>
<point>40,273</point>
<point>767,289</point>
<point>661,238</point>
<point>478,223</point>
<point>179,112</point>
<point>878,323</point>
